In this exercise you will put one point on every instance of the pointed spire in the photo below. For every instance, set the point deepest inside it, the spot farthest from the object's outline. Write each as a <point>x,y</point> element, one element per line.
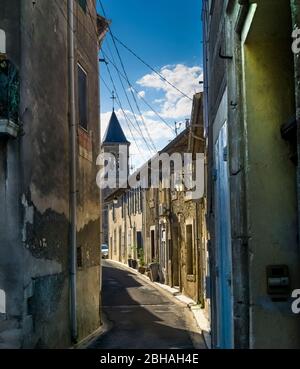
<point>114,133</point>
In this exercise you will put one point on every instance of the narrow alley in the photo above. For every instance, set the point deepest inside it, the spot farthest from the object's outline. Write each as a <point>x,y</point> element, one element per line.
<point>139,316</point>
<point>149,178</point>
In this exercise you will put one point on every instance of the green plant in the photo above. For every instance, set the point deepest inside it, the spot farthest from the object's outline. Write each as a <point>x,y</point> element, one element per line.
<point>141,257</point>
<point>133,250</point>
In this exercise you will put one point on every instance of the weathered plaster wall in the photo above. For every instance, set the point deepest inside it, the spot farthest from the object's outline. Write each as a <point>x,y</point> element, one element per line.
<point>237,137</point>
<point>271,176</point>
<point>34,186</point>
<point>89,213</point>
<point>45,170</point>
<point>262,179</point>
<point>11,255</point>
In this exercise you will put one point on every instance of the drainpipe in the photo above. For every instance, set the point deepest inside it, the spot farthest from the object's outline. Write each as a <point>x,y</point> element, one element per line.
<point>295,9</point>
<point>73,174</point>
<point>199,263</point>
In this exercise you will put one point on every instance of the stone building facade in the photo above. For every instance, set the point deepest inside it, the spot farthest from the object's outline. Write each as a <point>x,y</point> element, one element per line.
<point>250,125</point>
<point>35,173</point>
<point>164,226</point>
<point>125,219</point>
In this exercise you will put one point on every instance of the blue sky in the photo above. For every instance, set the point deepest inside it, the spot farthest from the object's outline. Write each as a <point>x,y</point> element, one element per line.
<point>167,35</point>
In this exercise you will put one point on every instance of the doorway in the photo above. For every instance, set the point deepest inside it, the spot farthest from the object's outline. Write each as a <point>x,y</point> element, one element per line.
<point>153,245</point>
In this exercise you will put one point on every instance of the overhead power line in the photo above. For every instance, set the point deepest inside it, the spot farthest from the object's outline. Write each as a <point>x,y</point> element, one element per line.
<point>125,115</point>
<point>133,113</point>
<point>153,69</point>
<point>143,61</point>
<point>129,84</point>
<point>138,93</point>
<point>94,38</point>
<point>127,120</point>
<point>96,43</point>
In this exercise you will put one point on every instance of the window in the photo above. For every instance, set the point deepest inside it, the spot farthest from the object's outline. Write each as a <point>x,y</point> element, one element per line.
<point>141,200</point>
<point>2,42</point>
<point>82,98</point>
<point>113,212</point>
<point>153,248</point>
<point>189,249</point>
<point>129,238</point>
<point>131,202</point>
<point>134,201</point>
<point>122,206</point>
<point>163,245</point>
<point>115,242</point>
<point>123,244</point>
<point>82,4</point>
<point>120,242</point>
<point>139,241</point>
<point>124,202</point>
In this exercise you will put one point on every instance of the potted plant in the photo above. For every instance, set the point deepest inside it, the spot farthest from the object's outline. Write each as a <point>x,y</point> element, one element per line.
<point>130,261</point>
<point>142,268</point>
<point>134,263</point>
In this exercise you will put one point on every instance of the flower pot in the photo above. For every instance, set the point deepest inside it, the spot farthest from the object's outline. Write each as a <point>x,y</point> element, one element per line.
<point>134,264</point>
<point>142,270</point>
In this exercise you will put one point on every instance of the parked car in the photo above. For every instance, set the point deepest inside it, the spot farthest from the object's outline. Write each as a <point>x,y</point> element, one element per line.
<point>104,251</point>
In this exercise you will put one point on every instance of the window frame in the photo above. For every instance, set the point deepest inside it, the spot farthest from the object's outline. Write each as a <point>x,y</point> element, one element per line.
<point>190,250</point>
<point>82,69</point>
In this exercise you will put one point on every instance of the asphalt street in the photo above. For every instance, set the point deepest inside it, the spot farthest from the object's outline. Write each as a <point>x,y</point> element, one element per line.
<point>140,316</point>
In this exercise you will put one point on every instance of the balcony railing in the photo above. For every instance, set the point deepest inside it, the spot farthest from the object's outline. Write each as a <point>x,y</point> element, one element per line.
<point>9,98</point>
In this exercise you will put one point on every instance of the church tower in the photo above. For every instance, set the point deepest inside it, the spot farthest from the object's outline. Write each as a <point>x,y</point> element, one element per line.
<point>114,138</point>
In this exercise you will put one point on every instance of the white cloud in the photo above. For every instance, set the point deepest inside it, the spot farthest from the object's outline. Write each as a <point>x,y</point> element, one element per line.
<point>186,79</point>
<point>170,104</point>
<point>142,94</point>
<point>104,120</point>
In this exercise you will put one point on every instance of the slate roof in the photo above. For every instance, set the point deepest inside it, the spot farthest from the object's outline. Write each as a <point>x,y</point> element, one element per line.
<point>114,132</point>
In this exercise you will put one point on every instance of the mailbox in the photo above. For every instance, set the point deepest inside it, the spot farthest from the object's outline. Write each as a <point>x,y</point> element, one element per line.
<point>278,282</point>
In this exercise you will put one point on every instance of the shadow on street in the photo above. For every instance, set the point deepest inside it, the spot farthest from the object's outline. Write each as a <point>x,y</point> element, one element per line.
<point>140,316</point>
